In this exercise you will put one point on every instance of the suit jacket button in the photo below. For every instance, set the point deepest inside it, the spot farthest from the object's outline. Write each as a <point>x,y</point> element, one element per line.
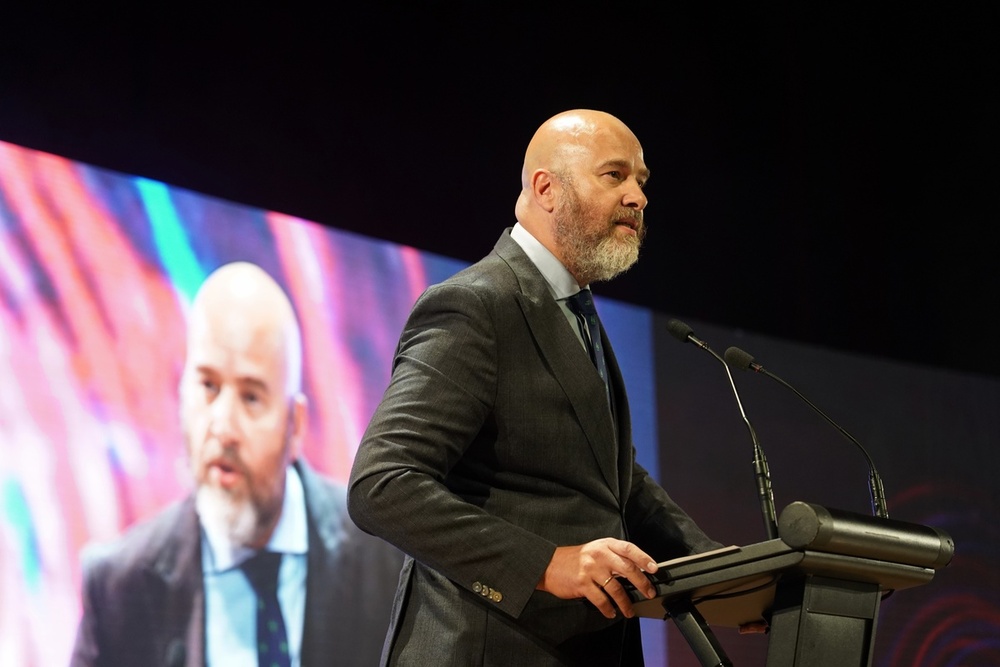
<point>497,596</point>
<point>477,587</point>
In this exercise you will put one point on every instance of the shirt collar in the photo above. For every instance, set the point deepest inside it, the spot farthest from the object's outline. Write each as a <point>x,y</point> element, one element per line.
<point>291,535</point>
<point>561,282</point>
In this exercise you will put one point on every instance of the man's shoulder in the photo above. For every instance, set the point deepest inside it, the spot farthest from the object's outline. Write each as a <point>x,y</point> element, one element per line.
<point>491,265</point>
<point>144,542</point>
<point>318,486</point>
<point>505,270</point>
<point>326,500</point>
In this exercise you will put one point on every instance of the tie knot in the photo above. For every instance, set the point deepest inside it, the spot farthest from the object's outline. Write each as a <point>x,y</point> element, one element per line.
<point>262,571</point>
<point>582,303</point>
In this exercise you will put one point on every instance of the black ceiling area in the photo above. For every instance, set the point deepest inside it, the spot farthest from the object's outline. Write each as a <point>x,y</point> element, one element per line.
<point>823,174</point>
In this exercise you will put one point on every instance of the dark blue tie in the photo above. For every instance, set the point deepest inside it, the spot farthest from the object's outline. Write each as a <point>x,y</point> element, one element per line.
<point>272,640</point>
<point>582,305</point>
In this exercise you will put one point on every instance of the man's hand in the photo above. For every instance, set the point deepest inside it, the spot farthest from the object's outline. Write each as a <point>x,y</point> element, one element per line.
<point>590,571</point>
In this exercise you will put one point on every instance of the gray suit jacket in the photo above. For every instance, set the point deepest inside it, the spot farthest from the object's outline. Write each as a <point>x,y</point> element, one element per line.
<point>494,443</point>
<point>143,598</point>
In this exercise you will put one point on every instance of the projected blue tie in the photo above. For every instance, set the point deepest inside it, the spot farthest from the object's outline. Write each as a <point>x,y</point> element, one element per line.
<point>582,304</point>
<point>272,640</point>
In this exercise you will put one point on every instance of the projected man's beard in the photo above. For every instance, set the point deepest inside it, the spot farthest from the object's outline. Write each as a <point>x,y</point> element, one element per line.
<point>235,516</point>
<point>247,511</point>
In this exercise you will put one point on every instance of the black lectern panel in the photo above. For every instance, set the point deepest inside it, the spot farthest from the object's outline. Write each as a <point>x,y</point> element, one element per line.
<point>729,587</point>
<point>818,585</point>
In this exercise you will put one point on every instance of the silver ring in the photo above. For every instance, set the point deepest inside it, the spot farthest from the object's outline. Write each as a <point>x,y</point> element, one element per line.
<point>607,581</point>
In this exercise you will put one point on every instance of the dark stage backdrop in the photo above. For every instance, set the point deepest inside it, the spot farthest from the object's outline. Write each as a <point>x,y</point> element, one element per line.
<point>97,270</point>
<point>933,436</point>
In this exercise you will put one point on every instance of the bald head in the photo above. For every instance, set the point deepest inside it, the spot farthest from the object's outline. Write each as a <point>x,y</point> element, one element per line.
<point>241,304</point>
<point>568,136</point>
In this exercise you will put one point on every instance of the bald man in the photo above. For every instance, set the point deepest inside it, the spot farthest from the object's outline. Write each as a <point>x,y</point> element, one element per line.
<point>175,590</point>
<point>500,460</point>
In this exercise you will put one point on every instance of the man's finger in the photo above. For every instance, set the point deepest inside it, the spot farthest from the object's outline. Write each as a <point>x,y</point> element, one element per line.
<point>617,593</point>
<point>635,555</point>
<point>637,577</point>
<point>599,599</point>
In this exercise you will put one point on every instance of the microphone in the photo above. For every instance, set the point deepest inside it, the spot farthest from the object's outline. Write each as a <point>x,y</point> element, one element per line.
<point>685,334</point>
<point>740,359</point>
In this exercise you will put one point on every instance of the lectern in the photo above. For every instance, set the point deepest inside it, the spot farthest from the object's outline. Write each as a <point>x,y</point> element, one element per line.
<point>818,585</point>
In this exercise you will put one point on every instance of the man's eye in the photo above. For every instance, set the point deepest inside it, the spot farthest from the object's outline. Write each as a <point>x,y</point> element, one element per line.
<point>617,175</point>
<point>209,387</point>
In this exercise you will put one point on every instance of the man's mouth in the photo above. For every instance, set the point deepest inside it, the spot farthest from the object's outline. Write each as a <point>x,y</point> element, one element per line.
<point>630,223</point>
<point>224,473</point>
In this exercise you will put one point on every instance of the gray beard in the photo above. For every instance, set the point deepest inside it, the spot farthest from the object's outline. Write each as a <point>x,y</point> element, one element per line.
<point>591,257</point>
<point>222,513</point>
<point>609,258</point>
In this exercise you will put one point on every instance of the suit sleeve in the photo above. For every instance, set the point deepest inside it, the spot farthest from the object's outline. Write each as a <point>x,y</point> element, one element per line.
<point>658,525</point>
<point>442,391</point>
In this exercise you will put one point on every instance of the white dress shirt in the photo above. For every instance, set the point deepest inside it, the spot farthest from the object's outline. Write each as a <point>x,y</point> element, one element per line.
<point>561,282</point>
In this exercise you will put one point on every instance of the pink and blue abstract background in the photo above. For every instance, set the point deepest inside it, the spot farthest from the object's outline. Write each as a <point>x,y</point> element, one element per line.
<point>97,270</point>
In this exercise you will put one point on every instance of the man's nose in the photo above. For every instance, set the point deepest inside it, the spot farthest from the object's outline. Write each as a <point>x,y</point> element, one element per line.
<point>635,197</point>
<point>224,416</point>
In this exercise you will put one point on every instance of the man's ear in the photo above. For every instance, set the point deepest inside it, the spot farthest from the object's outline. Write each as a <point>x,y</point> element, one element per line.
<point>544,188</point>
<point>298,424</point>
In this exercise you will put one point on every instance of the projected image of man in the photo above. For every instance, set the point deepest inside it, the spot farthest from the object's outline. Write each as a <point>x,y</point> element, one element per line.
<point>261,561</point>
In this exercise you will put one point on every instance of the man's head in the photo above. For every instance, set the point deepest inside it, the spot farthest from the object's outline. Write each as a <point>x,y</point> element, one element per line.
<point>581,193</point>
<point>242,410</point>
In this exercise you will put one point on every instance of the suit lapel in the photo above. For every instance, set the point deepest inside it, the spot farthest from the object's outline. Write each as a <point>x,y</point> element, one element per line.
<point>176,591</point>
<point>622,418</point>
<point>322,638</point>
<point>570,365</point>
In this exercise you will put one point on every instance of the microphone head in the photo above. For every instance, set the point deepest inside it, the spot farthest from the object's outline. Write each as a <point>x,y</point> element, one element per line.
<point>679,330</point>
<point>737,358</point>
